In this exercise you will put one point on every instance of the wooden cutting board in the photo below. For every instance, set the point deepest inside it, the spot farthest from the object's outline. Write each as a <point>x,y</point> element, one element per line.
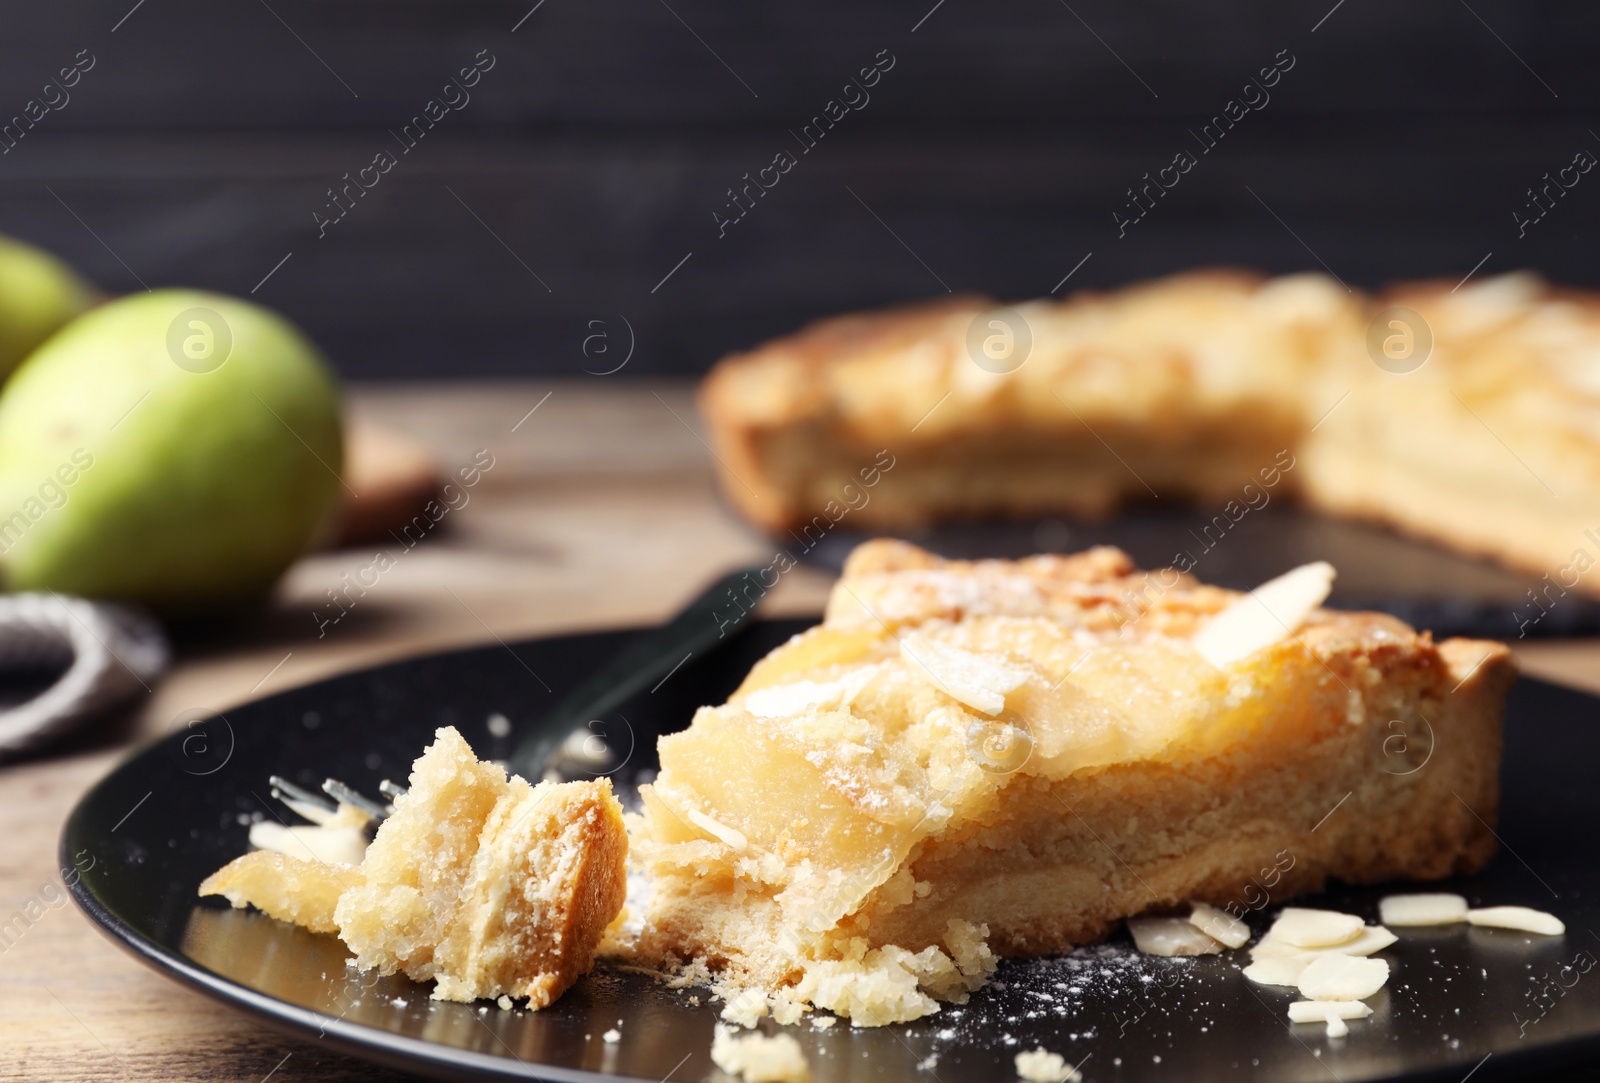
<point>389,478</point>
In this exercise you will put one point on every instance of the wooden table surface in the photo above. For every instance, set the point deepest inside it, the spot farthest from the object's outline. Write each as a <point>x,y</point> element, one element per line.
<point>599,511</point>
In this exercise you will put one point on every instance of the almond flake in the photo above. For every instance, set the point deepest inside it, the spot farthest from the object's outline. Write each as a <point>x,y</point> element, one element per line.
<point>1373,938</point>
<point>1278,971</point>
<point>1520,918</point>
<point>1316,1011</point>
<point>1342,977</point>
<point>330,845</point>
<point>1424,909</point>
<point>980,682</point>
<point>1315,928</point>
<point>728,836</point>
<point>794,699</point>
<point>1331,1012</point>
<point>1219,925</point>
<point>799,698</point>
<point>1170,936</point>
<point>1264,616</point>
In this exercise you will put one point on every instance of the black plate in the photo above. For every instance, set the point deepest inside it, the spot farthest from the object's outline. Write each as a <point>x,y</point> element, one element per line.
<point>1422,584</point>
<point>173,812</point>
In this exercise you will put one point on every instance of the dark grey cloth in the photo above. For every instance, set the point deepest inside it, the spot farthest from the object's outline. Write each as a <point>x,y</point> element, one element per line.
<point>107,654</point>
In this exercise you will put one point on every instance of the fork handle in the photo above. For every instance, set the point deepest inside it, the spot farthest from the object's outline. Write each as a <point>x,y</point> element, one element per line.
<point>699,628</point>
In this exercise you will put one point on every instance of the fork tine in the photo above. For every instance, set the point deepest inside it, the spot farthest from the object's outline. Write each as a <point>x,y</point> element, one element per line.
<point>313,806</point>
<point>345,795</point>
<point>391,789</point>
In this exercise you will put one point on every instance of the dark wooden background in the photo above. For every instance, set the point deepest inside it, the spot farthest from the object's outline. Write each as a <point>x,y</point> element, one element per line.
<point>596,150</point>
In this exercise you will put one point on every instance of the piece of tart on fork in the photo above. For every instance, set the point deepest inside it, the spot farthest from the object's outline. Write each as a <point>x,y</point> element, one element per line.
<point>480,882</point>
<point>968,760</point>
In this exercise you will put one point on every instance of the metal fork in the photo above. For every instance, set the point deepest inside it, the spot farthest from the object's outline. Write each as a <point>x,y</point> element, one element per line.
<point>317,808</point>
<point>644,663</point>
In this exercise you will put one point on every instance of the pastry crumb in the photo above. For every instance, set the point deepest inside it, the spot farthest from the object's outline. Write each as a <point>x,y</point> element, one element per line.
<point>504,1002</point>
<point>1041,1066</point>
<point>757,1058</point>
<point>746,1008</point>
<point>612,1036</point>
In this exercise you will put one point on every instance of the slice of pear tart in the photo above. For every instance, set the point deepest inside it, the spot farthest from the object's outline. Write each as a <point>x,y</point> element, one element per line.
<point>971,760</point>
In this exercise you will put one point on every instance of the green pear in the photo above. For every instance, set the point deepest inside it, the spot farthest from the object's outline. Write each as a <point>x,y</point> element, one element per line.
<point>177,449</point>
<point>38,295</point>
